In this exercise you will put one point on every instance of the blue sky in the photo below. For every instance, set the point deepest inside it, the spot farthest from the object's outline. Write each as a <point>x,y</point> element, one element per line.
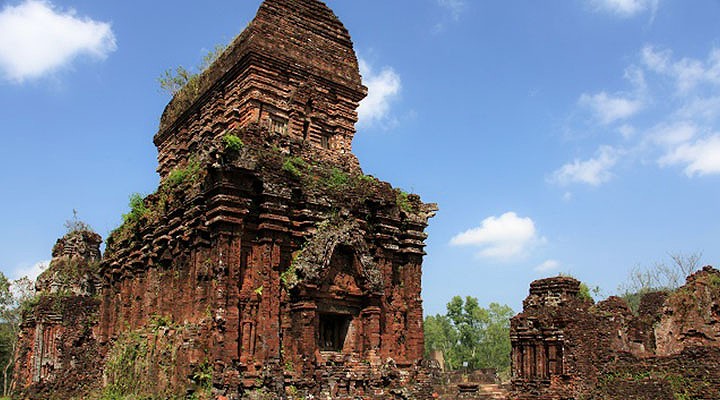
<point>580,136</point>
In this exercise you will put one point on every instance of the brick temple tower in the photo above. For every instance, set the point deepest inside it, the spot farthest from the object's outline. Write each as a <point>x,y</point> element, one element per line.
<point>292,71</point>
<point>266,262</point>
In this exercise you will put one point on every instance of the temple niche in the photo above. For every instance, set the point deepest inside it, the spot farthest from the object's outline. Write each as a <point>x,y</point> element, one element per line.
<point>266,264</point>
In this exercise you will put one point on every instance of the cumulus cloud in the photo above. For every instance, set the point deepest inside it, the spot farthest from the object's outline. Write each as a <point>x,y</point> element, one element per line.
<point>609,109</point>
<point>548,265</point>
<point>505,237</point>
<point>36,39</point>
<point>383,87</point>
<point>31,271</point>
<point>594,171</point>
<point>700,157</point>
<point>626,8</point>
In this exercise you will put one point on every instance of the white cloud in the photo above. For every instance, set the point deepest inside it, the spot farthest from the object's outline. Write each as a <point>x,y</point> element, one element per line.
<point>680,100</point>
<point>594,171</point>
<point>504,237</point>
<point>656,60</point>
<point>609,109</point>
<point>626,8</point>
<point>707,108</point>
<point>701,157</point>
<point>548,265</point>
<point>636,76</point>
<point>36,38</point>
<point>673,134</point>
<point>688,73</point>
<point>31,271</point>
<point>383,87</point>
<point>455,7</point>
<point>627,131</point>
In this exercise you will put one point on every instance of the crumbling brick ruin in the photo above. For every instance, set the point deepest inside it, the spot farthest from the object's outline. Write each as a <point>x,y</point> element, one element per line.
<point>57,347</point>
<point>566,347</point>
<point>266,264</point>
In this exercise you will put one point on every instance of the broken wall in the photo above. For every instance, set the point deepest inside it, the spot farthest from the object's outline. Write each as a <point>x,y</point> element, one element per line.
<point>567,347</point>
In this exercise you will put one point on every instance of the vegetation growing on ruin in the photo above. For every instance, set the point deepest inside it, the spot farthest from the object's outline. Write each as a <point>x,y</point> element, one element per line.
<point>289,277</point>
<point>203,375</point>
<point>154,206</point>
<point>137,209</point>
<point>67,272</point>
<point>347,187</point>
<point>584,292</point>
<point>403,200</point>
<point>190,173</point>
<point>185,85</point>
<point>139,363</point>
<point>295,167</point>
<point>681,387</point>
<point>336,179</point>
<point>233,143</point>
<point>173,81</point>
<point>662,276</point>
<point>76,224</point>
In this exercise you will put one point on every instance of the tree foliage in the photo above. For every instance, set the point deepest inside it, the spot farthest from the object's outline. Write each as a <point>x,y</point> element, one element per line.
<point>13,297</point>
<point>172,81</point>
<point>660,276</point>
<point>471,334</point>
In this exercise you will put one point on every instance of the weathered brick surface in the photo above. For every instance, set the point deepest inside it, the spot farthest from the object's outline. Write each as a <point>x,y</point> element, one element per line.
<point>294,63</point>
<point>275,267</point>
<point>566,347</point>
<point>57,354</point>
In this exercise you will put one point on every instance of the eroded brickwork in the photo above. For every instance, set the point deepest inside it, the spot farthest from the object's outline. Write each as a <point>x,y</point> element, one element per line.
<point>266,264</point>
<point>566,347</point>
<point>57,349</point>
<point>293,71</point>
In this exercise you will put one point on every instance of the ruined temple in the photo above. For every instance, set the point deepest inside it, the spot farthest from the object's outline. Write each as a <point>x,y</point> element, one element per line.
<point>566,347</point>
<point>57,333</point>
<point>266,264</point>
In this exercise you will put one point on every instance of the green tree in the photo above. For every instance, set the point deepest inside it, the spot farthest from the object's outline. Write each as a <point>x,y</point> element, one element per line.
<point>471,334</point>
<point>13,298</point>
<point>469,319</point>
<point>496,344</point>
<point>440,335</point>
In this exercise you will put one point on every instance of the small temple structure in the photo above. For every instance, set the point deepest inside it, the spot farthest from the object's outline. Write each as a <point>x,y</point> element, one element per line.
<point>564,346</point>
